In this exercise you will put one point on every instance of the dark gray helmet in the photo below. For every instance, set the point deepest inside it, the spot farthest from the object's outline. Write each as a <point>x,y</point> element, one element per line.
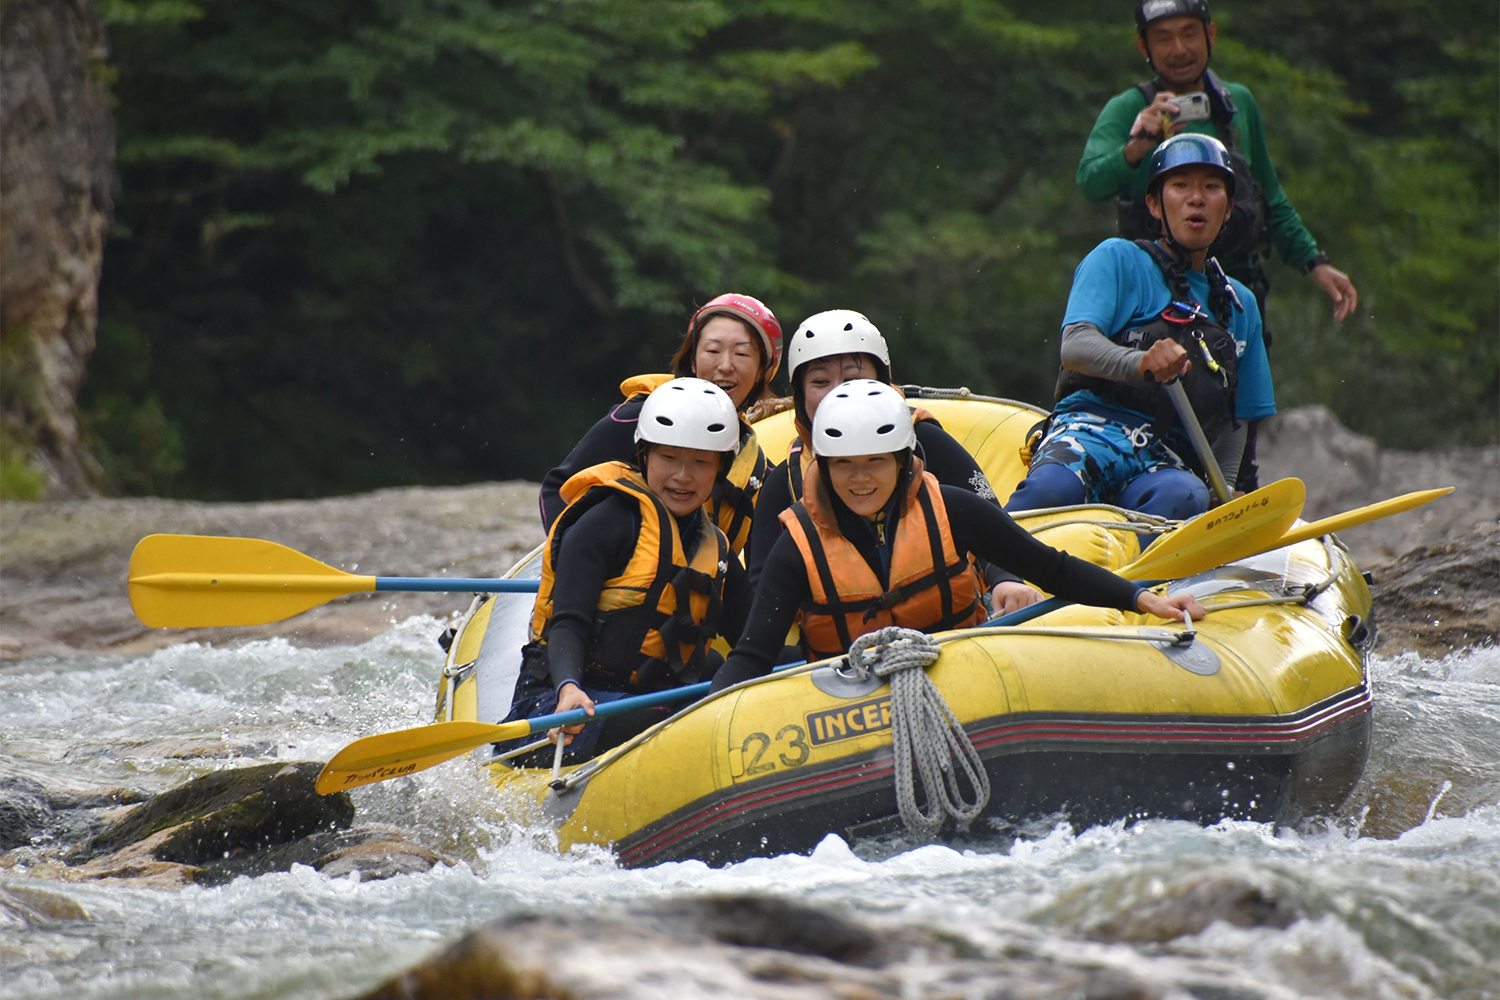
<point>1149,12</point>
<point>1185,150</point>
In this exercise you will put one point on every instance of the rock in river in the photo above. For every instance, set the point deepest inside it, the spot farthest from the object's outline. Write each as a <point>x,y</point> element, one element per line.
<point>749,948</point>
<point>243,821</point>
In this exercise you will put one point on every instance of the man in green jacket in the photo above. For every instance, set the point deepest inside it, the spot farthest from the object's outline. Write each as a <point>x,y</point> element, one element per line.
<point>1176,37</point>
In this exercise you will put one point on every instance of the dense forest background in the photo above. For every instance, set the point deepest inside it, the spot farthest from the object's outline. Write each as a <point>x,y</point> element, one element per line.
<point>359,243</point>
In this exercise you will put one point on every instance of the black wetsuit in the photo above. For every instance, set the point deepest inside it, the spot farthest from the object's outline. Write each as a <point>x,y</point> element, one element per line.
<point>978,526</point>
<point>611,439</point>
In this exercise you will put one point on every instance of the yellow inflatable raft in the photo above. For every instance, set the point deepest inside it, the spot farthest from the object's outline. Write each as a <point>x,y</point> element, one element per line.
<point>1085,713</point>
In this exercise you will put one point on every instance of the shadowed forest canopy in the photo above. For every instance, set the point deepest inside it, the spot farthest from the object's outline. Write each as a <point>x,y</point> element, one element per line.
<point>421,241</point>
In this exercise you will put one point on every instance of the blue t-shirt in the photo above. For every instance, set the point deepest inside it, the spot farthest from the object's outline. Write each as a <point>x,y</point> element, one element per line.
<point>1118,287</point>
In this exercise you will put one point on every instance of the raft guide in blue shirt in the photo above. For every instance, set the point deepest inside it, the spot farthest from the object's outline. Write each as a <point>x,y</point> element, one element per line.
<point>1118,287</point>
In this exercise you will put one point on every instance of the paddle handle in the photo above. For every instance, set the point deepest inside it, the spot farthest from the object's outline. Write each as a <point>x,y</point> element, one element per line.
<point>1026,614</point>
<point>455,584</point>
<point>577,715</point>
<point>1200,440</point>
<point>605,709</point>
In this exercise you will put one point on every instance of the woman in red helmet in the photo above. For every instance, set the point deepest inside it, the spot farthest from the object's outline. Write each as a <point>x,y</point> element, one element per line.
<point>733,341</point>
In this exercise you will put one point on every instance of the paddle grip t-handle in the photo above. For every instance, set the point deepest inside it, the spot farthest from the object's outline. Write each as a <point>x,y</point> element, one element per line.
<point>1189,419</point>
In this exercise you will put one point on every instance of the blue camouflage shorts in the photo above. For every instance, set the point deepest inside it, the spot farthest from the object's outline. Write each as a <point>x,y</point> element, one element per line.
<point>1105,447</point>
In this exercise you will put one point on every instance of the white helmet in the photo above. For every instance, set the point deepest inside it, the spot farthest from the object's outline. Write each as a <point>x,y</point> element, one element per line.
<point>837,331</point>
<point>862,417</point>
<point>690,413</point>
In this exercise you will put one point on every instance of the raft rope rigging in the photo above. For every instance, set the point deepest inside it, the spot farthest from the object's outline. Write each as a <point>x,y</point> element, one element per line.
<point>964,392</point>
<point>924,730</point>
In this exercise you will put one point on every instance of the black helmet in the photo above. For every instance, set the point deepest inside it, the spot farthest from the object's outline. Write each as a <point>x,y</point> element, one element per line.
<point>1148,12</point>
<point>1185,150</point>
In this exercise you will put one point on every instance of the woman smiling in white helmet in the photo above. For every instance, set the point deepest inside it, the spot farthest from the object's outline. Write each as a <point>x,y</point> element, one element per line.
<point>876,540</point>
<point>828,349</point>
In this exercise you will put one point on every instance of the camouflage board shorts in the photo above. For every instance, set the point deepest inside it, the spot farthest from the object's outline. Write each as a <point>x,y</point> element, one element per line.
<point>1105,447</point>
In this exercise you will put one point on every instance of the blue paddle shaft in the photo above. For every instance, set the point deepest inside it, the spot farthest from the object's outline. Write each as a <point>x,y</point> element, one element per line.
<point>453,584</point>
<point>609,708</point>
<point>695,690</point>
<point>1026,614</point>
<point>692,691</point>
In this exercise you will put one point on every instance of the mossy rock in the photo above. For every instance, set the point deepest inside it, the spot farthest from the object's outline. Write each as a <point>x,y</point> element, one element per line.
<point>227,812</point>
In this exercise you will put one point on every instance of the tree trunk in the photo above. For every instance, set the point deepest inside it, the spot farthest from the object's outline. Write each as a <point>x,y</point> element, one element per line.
<point>57,150</point>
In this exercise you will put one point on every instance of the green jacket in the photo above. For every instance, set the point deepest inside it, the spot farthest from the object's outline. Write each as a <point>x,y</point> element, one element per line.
<point>1104,174</point>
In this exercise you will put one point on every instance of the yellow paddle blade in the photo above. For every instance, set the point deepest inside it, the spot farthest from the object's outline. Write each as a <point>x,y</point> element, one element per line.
<point>187,581</point>
<point>1360,515</point>
<point>1243,527</point>
<point>407,751</point>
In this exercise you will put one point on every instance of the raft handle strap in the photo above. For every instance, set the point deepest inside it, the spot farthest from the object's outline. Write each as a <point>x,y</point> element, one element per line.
<point>1188,633</point>
<point>557,756</point>
<point>522,751</point>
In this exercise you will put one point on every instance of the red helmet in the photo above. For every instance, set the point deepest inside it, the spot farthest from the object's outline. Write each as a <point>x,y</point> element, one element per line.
<point>752,311</point>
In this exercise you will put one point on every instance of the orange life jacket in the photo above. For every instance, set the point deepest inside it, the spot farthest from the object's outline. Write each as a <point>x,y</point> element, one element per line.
<point>732,502</point>
<point>662,606</point>
<point>932,587</point>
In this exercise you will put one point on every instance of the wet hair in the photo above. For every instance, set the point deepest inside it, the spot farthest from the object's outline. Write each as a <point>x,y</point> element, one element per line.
<point>684,362</point>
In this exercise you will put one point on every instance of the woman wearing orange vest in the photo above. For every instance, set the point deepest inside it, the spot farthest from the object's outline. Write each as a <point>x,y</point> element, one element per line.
<point>828,349</point>
<point>876,540</point>
<point>734,341</point>
<point>636,579</point>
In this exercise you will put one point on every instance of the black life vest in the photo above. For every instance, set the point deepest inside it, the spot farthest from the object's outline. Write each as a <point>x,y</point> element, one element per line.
<point>1246,231</point>
<point>1210,383</point>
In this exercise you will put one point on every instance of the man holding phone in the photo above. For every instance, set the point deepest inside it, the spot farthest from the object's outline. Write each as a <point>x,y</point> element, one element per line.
<point>1176,37</point>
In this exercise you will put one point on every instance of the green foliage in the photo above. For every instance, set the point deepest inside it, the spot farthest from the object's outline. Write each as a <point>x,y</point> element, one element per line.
<point>1408,172</point>
<point>423,240</point>
<point>120,415</point>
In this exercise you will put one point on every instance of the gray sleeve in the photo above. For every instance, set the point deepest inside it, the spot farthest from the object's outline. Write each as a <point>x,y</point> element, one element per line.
<point>1229,447</point>
<point>1086,349</point>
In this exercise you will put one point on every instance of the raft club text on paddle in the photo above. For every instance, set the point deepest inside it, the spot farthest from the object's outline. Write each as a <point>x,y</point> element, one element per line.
<point>1237,513</point>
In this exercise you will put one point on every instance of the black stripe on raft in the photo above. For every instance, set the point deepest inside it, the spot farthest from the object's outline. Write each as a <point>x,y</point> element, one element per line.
<point>1089,769</point>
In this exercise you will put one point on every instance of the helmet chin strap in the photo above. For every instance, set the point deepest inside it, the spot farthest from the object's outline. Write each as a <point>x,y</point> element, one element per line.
<point>1168,240</point>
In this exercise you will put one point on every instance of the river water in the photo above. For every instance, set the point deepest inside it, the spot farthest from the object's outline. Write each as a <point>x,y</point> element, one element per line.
<point>1401,892</point>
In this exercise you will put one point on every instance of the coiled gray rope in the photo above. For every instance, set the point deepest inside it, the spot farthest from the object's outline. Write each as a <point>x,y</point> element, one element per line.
<point>924,729</point>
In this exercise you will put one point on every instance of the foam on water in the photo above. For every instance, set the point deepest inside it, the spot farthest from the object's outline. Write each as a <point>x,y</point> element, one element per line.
<point>1411,912</point>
